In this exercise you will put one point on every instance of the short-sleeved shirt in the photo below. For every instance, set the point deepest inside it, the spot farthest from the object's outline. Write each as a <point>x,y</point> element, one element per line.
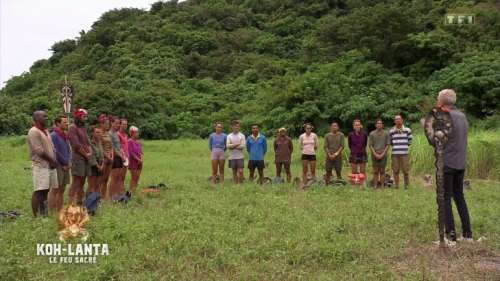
<point>78,139</point>
<point>107,143</point>
<point>401,139</point>
<point>115,140</point>
<point>379,139</point>
<point>97,154</point>
<point>236,139</point>
<point>283,148</point>
<point>333,142</point>
<point>134,149</point>
<point>39,142</point>
<point>357,143</point>
<point>308,143</point>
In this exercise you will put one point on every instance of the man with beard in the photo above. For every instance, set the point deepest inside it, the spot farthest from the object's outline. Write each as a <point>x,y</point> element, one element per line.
<point>82,152</point>
<point>43,161</point>
<point>60,140</point>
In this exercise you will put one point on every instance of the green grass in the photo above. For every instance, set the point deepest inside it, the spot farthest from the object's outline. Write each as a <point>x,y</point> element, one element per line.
<point>194,232</point>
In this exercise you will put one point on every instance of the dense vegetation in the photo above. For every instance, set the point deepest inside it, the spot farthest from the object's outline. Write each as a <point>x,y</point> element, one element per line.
<point>178,67</point>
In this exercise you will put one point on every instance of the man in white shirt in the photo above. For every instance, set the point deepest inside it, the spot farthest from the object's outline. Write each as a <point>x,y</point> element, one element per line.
<point>236,143</point>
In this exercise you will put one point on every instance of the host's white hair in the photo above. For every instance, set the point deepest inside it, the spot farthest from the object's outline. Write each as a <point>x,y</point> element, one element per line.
<point>133,129</point>
<point>447,97</point>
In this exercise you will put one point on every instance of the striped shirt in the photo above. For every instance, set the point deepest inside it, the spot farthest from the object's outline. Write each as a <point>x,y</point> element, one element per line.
<point>400,140</point>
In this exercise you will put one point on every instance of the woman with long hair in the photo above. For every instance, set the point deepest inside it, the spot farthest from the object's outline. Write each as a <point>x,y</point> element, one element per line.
<point>107,147</point>
<point>308,144</point>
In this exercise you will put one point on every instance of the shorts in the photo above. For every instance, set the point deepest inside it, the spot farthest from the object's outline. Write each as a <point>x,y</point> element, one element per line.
<point>308,157</point>
<point>80,167</point>
<point>379,163</point>
<point>400,162</point>
<point>259,164</point>
<point>94,172</point>
<point>358,159</point>
<point>333,164</point>
<point>62,176</point>
<point>44,178</point>
<point>117,163</point>
<point>236,163</point>
<point>218,154</point>
<point>285,164</point>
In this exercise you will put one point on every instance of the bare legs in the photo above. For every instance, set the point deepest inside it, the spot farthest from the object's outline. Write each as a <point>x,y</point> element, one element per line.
<point>103,182</point>
<point>76,190</point>
<point>38,201</point>
<point>56,199</point>
<point>134,180</point>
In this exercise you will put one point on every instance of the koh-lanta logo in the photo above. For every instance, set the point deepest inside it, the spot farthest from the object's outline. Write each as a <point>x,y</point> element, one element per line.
<point>72,253</point>
<point>459,19</point>
<point>71,224</point>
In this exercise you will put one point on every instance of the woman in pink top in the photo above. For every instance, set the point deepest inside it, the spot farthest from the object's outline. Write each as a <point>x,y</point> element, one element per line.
<point>136,158</point>
<point>308,145</point>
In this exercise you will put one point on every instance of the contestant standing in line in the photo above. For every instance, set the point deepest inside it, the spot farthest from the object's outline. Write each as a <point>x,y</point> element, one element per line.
<point>308,144</point>
<point>60,140</point>
<point>43,161</point>
<point>283,149</point>
<point>217,145</point>
<point>357,141</point>
<point>334,145</point>
<point>236,142</point>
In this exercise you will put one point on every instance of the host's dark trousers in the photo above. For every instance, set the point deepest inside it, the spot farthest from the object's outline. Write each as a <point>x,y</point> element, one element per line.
<point>454,187</point>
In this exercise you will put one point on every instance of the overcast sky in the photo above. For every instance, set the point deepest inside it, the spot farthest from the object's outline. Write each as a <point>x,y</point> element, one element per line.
<point>28,28</point>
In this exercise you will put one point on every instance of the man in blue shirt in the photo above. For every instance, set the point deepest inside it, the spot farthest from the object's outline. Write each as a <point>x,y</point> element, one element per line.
<point>60,139</point>
<point>257,148</point>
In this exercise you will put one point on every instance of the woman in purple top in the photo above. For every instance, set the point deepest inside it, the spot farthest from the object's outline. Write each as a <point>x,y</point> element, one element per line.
<point>217,145</point>
<point>136,158</point>
<point>357,141</point>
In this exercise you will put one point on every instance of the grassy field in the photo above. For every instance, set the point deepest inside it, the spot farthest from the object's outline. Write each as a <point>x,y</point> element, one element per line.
<point>192,231</point>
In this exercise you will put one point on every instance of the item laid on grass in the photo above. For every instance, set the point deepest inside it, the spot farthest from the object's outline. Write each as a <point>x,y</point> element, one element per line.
<point>92,202</point>
<point>437,126</point>
<point>123,198</point>
<point>217,179</point>
<point>467,184</point>
<point>267,181</point>
<point>10,215</point>
<point>154,188</point>
<point>338,182</point>
<point>357,179</point>
<point>278,180</point>
<point>388,182</point>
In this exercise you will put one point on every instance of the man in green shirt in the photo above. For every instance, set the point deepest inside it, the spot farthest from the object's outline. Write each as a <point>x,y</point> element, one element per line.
<point>378,142</point>
<point>334,144</point>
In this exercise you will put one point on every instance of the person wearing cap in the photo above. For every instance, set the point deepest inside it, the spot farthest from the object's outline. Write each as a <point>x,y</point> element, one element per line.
<point>334,145</point>
<point>283,148</point>
<point>82,152</point>
<point>136,158</point>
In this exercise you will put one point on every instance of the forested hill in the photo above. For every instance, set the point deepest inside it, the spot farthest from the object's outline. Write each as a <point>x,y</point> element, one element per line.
<point>177,68</point>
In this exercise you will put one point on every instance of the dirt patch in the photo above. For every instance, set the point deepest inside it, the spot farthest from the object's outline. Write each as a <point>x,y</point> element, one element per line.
<point>465,261</point>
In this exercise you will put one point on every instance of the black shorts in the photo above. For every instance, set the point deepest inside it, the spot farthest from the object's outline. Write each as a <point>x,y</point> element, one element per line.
<point>308,157</point>
<point>358,159</point>
<point>259,164</point>
<point>117,163</point>
<point>94,172</point>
